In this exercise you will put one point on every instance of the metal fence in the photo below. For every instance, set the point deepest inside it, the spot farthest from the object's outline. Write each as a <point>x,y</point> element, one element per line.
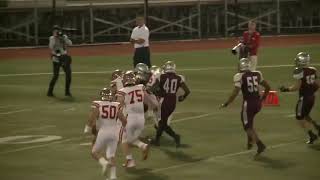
<point>29,22</point>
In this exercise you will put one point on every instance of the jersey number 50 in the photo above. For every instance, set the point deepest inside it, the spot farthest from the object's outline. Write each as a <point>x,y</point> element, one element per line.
<point>109,112</point>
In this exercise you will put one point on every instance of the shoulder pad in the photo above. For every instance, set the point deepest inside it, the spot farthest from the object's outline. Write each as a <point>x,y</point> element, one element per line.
<point>298,73</point>
<point>237,77</point>
<point>313,68</point>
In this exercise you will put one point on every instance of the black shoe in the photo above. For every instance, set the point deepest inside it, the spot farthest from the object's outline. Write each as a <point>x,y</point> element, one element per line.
<point>249,146</point>
<point>312,139</point>
<point>50,94</point>
<point>155,127</point>
<point>261,148</point>
<point>177,140</point>
<point>68,94</point>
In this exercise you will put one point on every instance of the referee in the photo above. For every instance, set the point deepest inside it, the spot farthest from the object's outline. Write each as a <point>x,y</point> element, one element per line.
<point>58,43</point>
<point>140,40</point>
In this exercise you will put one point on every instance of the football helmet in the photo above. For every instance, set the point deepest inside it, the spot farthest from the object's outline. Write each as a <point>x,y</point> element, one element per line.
<point>106,94</point>
<point>244,64</point>
<point>155,69</point>
<point>169,66</point>
<point>116,73</point>
<point>302,59</point>
<point>141,68</point>
<point>129,78</point>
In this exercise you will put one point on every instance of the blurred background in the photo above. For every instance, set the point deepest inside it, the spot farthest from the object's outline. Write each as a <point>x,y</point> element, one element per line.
<point>29,22</point>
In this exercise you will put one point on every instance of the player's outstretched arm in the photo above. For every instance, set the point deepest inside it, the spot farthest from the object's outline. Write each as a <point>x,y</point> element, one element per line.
<point>186,92</point>
<point>267,88</point>
<point>294,87</point>
<point>233,96</point>
<point>90,126</point>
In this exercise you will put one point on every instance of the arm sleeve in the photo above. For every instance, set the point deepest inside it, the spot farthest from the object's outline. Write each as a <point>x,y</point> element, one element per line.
<point>237,80</point>
<point>256,42</point>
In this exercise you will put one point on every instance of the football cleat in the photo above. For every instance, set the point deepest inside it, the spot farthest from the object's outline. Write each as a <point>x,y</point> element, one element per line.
<point>249,146</point>
<point>302,59</point>
<point>130,163</point>
<point>312,139</point>
<point>169,66</point>
<point>261,148</point>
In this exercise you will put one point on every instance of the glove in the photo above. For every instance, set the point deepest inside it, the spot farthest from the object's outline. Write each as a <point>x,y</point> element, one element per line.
<point>284,89</point>
<point>181,98</point>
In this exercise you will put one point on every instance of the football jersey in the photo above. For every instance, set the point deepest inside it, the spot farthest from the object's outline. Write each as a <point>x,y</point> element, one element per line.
<point>249,83</point>
<point>169,85</point>
<point>108,114</point>
<point>308,77</point>
<point>118,82</point>
<point>133,98</point>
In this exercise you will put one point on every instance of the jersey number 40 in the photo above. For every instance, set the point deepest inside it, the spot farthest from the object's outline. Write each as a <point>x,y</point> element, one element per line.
<point>170,86</point>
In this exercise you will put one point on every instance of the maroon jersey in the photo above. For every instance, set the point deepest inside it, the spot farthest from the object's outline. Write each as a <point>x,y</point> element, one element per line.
<point>249,83</point>
<point>308,77</point>
<point>169,85</point>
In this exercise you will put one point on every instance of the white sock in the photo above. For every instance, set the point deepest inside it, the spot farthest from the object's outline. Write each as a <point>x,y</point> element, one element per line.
<point>140,144</point>
<point>103,161</point>
<point>129,157</point>
<point>113,172</point>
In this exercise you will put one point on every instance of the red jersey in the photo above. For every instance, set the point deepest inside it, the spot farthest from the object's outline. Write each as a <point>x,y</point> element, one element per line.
<point>253,40</point>
<point>308,77</point>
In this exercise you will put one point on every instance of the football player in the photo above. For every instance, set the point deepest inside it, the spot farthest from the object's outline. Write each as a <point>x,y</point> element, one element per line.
<point>169,84</point>
<point>133,96</point>
<point>106,112</point>
<point>307,83</point>
<point>248,82</point>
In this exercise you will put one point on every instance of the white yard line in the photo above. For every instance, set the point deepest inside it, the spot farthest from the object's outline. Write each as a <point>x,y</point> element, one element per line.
<point>35,128</point>
<point>14,112</point>
<point>39,146</point>
<point>187,69</point>
<point>212,158</point>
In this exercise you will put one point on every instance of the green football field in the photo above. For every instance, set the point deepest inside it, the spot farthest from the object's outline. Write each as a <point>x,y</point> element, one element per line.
<point>42,138</point>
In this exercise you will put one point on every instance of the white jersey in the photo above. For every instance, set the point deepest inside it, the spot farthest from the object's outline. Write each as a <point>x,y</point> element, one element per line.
<point>108,115</point>
<point>118,82</point>
<point>133,99</point>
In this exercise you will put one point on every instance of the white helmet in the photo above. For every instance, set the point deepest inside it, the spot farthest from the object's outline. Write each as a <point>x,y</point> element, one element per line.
<point>169,66</point>
<point>244,64</point>
<point>302,59</point>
